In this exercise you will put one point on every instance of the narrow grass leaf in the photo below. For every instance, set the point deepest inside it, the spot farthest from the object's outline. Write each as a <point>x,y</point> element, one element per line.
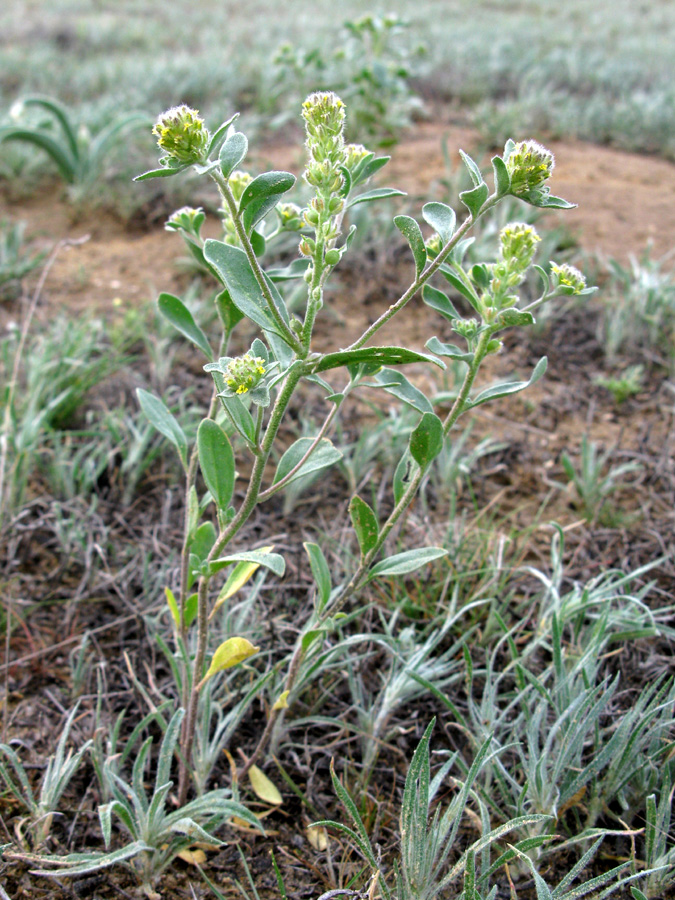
<point>320,572</point>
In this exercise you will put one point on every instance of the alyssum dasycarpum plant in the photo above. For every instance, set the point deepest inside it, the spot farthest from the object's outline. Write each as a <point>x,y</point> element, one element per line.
<point>253,391</point>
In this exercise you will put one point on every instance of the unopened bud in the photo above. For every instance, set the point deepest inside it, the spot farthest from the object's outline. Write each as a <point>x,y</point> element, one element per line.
<point>182,135</point>
<point>332,257</point>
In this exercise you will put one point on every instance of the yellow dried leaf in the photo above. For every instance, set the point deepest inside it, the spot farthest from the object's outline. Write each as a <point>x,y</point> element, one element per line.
<point>263,787</point>
<point>317,836</point>
<point>230,653</point>
<point>193,857</point>
<point>173,606</point>
<point>282,702</point>
<point>238,578</point>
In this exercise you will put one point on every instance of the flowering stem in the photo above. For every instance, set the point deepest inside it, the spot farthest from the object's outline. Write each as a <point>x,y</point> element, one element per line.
<point>228,197</point>
<point>424,276</point>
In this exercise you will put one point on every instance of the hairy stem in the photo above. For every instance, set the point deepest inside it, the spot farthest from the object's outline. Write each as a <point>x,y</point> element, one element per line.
<point>228,197</point>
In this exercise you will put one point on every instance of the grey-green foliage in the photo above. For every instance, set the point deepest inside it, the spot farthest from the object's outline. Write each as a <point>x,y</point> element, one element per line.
<point>372,69</point>
<point>156,832</point>
<point>42,805</point>
<point>15,261</point>
<point>596,480</point>
<point>59,367</point>
<point>79,156</point>
<point>624,385</point>
<point>659,848</point>
<point>638,309</point>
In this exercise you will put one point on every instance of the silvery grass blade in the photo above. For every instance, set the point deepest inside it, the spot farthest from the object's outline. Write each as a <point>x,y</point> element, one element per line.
<point>358,834</point>
<point>488,839</point>
<point>22,791</point>
<point>168,748</point>
<point>84,863</point>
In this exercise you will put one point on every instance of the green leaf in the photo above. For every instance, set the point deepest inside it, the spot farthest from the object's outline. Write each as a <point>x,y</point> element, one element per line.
<point>220,134</point>
<point>162,172</point>
<point>229,314</point>
<point>403,563</point>
<point>441,218</point>
<point>378,356</point>
<point>262,195</point>
<point>502,177</point>
<point>475,198</point>
<point>514,317</point>
<point>426,441</point>
<point>273,561</point>
<point>234,270</point>
<point>412,233</point>
<point>232,152</point>
<point>508,387</point>
<point>159,416</point>
<point>474,169</point>
<point>376,194</point>
<point>365,524</point>
<point>324,455</point>
<point>402,475</point>
<point>321,573</point>
<point>203,540</point>
<point>367,167</point>
<point>460,285</point>
<point>440,302</point>
<point>240,416</point>
<point>449,350</point>
<point>396,384</point>
<point>175,312</point>
<point>216,461</point>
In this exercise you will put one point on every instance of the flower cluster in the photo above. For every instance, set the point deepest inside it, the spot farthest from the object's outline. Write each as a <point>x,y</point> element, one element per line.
<point>324,115</point>
<point>244,373</point>
<point>182,135</point>
<point>568,278</point>
<point>530,166</point>
<point>518,244</point>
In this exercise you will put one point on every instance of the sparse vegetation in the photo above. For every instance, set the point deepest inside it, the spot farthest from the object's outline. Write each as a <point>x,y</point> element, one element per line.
<point>399,640</point>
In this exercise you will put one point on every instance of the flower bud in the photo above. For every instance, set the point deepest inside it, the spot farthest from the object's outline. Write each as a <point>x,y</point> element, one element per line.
<point>187,218</point>
<point>354,153</point>
<point>244,373</point>
<point>569,278</point>
<point>181,134</point>
<point>238,182</point>
<point>290,216</point>
<point>518,245</point>
<point>332,257</point>
<point>434,245</point>
<point>324,115</point>
<point>530,165</point>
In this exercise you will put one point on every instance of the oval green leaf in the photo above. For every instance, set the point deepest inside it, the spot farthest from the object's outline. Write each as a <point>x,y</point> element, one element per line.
<point>216,461</point>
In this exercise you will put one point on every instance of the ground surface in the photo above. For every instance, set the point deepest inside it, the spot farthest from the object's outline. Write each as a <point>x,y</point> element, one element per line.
<point>625,202</point>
